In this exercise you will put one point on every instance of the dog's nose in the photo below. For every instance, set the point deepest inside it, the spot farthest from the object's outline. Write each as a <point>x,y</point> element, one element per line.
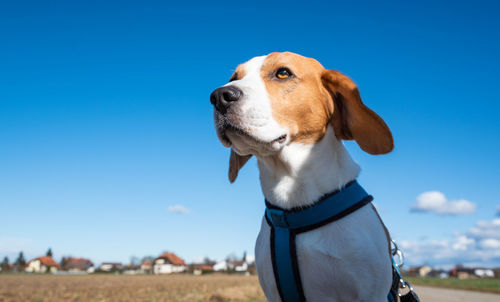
<point>223,97</point>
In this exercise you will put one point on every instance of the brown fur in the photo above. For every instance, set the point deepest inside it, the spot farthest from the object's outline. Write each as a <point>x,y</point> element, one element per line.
<point>239,73</point>
<point>236,162</point>
<point>313,98</point>
<point>352,119</point>
<point>299,103</point>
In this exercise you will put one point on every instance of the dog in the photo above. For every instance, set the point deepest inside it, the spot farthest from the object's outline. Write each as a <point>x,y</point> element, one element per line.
<point>292,115</point>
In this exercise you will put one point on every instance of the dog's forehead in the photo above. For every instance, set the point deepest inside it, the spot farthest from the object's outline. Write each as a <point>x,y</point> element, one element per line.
<point>268,63</point>
<point>298,63</point>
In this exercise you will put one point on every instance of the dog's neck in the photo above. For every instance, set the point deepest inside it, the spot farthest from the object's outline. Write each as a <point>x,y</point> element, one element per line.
<point>300,174</point>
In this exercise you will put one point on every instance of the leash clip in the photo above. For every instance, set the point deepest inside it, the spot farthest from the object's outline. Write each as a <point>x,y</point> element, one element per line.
<point>397,254</point>
<point>397,263</point>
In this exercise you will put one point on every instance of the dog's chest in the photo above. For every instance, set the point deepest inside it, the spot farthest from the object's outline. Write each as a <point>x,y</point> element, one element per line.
<point>346,260</point>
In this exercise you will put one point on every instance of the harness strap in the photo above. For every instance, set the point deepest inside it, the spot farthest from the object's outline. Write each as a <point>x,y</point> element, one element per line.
<point>286,224</point>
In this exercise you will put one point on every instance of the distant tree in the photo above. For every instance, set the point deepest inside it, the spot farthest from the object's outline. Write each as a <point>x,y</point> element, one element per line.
<point>49,252</point>
<point>148,258</point>
<point>64,263</point>
<point>244,256</point>
<point>5,264</point>
<point>232,257</point>
<point>20,262</point>
<point>135,261</point>
<point>208,261</point>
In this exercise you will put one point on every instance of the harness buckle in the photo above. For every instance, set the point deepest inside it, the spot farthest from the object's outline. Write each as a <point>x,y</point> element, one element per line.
<point>410,296</point>
<point>277,217</point>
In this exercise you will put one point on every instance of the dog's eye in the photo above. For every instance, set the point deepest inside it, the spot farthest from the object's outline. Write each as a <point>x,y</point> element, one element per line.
<point>283,73</point>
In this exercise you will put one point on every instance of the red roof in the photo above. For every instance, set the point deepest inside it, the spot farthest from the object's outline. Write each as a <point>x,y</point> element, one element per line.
<point>78,263</point>
<point>172,258</point>
<point>146,262</point>
<point>203,267</point>
<point>47,261</point>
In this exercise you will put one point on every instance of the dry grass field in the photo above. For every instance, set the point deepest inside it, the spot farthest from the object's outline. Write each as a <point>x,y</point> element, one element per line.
<point>143,288</point>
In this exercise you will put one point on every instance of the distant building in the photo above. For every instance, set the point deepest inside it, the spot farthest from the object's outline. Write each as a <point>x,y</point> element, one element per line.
<point>146,267</point>
<point>239,266</point>
<point>462,272</point>
<point>110,267</point>
<point>168,263</point>
<point>419,271</point>
<point>73,264</point>
<point>231,265</point>
<point>132,270</point>
<point>199,269</point>
<point>221,266</point>
<point>42,265</point>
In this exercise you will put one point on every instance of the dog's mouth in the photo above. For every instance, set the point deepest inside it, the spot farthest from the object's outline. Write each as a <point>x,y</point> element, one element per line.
<point>235,130</point>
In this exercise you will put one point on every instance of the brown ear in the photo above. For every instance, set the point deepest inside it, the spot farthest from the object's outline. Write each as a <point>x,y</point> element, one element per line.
<point>236,162</point>
<point>352,119</point>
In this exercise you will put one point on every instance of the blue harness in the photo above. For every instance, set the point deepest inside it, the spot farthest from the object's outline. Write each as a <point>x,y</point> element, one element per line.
<point>286,224</point>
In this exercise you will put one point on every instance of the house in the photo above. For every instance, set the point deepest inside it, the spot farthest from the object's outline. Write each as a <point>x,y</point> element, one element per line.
<point>231,265</point>
<point>199,269</point>
<point>238,266</point>
<point>168,263</point>
<point>110,267</point>
<point>484,273</point>
<point>419,271</point>
<point>146,267</point>
<point>131,269</point>
<point>221,266</point>
<point>438,273</point>
<point>462,272</point>
<point>43,264</point>
<point>73,264</point>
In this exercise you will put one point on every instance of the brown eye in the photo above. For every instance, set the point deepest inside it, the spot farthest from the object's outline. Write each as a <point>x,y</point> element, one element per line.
<point>283,73</point>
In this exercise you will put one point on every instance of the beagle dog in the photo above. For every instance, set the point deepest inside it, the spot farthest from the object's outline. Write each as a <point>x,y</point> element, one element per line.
<point>292,115</point>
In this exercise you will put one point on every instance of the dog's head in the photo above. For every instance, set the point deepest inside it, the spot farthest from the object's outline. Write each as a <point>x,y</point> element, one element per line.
<point>283,98</point>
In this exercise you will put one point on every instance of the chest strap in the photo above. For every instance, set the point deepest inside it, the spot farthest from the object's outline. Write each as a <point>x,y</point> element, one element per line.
<point>286,224</point>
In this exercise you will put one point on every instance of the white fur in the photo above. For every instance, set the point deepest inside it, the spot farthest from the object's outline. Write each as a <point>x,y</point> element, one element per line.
<point>253,114</point>
<point>300,174</point>
<point>346,260</point>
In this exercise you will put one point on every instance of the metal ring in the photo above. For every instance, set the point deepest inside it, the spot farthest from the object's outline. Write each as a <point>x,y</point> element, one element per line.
<point>394,249</point>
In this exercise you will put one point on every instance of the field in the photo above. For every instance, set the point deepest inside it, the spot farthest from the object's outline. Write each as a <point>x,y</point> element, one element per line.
<point>483,285</point>
<point>210,288</point>
<point>141,288</point>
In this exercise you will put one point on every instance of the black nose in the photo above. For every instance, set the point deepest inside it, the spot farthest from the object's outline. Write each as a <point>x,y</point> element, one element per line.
<point>223,97</point>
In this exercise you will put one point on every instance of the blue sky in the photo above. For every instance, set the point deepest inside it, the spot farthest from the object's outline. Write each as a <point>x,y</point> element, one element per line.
<point>105,122</point>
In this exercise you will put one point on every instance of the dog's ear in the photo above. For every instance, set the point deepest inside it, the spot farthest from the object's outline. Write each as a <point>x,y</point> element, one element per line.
<point>236,162</point>
<point>352,119</point>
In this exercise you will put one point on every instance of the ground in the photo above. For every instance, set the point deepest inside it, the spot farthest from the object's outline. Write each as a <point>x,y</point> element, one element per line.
<point>148,288</point>
<point>433,294</point>
<point>483,285</point>
<point>143,288</point>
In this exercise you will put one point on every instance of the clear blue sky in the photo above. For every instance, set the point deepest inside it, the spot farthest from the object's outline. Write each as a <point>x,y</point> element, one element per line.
<point>105,121</point>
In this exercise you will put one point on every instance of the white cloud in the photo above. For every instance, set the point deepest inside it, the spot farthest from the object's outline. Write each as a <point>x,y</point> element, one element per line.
<point>490,243</point>
<point>436,202</point>
<point>486,229</point>
<point>480,245</point>
<point>179,209</point>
